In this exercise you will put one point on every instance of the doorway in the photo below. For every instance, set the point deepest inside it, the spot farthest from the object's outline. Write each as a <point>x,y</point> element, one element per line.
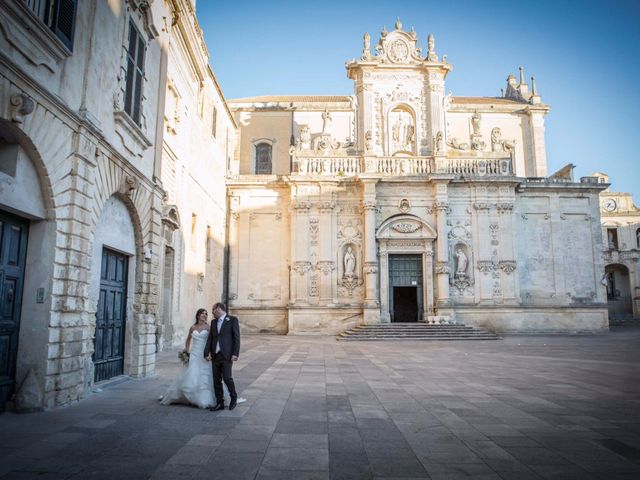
<point>108,354</point>
<point>14,232</point>
<point>405,288</point>
<point>619,301</point>
<point>405,304</point>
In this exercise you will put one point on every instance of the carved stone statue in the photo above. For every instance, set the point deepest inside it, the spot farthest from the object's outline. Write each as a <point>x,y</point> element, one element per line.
<point>304,138</point>
<point>403,131</point>
<point>496,141</point>
<point>349,263</point>
<point>475,123</point>
<point>431,52</point>
<point>438,144</point>
<point>368,141</point>
<point>326,121</point>
<point>366,49</point>
<point>461,263</point>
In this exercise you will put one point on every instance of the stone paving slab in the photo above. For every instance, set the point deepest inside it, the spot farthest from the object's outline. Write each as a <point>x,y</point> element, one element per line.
<point>523,408</point>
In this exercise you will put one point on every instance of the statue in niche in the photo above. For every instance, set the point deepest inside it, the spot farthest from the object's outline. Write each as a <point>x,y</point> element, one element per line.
<point>349,263</point>
<point>461,263</point>
<point>402,131</point>
<point>326,121</point>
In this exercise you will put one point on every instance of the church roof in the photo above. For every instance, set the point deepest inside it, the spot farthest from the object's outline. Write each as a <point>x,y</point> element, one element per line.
<point>291,98</point>
<point>483,100</point>
<point>344,98</point>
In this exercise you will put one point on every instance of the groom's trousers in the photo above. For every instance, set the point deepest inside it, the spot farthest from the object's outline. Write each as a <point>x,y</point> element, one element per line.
<point>222,371</point>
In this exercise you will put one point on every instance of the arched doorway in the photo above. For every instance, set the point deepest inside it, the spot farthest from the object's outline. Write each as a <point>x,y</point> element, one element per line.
<point>405,244</point>
<point>618,286</point>
<point>27,243</point>
<point>112,289</point>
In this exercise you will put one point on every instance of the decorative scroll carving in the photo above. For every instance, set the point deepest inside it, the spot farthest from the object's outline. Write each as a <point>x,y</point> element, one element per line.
<point>313,231</point>
<point>405,227</point>
<point>370,267</point>
<point>129,184</point>
<point>505,207</point>
<point>21,106</point>
<point>368,205</point>
<point>302,206</point>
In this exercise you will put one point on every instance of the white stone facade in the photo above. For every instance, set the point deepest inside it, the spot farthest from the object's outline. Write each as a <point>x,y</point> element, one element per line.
<point>97,158</point>
<point>621,234</point>
<point>401,197</point>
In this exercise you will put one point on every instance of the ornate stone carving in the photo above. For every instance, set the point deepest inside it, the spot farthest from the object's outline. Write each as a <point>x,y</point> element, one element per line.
<point>313,231</point>
<point>404,205</point>
<point>366,48</point>
<point>507,266</point>
<point>453,142</point>
<point>442,207</point>
<point>369,205</point>
<point>493,233</point>
<point>325,266</point>
<point>129,184</point>
<point>349,261</point>
<point>302,207</point>
<point>405,227</point>
<point>326,207</point>
<point>301,267</point>
<point>314,287</point>
<point>21,106</point>
<point>370,267</point>
<point>442,268</point>
<point>438,144</point>
<point>505,207</point>
<point>481,205</point>
<point>500,145</point>
<point>431,49</point>
<point>477,143</point>
<point>368,141</point>
<point>487,266</point>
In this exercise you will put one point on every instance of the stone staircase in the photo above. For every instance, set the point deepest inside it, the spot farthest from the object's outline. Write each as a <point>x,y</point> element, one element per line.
<point>416,331</point>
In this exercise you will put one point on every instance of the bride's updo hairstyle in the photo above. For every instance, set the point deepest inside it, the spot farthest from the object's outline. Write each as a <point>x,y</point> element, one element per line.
<point>200,310</point>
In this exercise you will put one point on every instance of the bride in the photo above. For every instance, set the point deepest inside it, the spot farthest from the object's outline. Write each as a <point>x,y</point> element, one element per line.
<point>194,384</point>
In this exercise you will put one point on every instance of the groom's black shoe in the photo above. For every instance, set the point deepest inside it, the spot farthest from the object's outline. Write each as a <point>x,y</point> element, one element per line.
<point>219,406</point>
<point>232,404</point>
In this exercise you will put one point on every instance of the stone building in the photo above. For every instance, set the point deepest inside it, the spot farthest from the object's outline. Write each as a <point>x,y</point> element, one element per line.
<point>198,143</point>
<point>87,141</point>
<point>402,203</point>
<point>621,233</point>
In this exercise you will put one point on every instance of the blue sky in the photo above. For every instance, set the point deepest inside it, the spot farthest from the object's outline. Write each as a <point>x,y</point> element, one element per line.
<point>585,56</point>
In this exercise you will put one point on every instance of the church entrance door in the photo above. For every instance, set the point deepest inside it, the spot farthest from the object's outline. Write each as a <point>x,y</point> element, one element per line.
<point>405,304</point>
<point>405,282</point>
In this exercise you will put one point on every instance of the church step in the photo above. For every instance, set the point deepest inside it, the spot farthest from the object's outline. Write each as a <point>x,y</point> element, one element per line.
<point>416,331</point>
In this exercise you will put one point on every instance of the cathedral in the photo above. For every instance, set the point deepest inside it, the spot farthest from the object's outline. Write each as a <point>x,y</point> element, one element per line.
<point>132,192</point>
<point>402,203</point>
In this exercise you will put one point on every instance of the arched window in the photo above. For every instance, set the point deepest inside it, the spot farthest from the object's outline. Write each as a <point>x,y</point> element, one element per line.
<point>263,158</point>
<point>638,238</point>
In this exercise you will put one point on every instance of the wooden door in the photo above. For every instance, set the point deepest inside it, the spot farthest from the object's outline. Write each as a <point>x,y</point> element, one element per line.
<point>108,355</point>
<point>13,253</point>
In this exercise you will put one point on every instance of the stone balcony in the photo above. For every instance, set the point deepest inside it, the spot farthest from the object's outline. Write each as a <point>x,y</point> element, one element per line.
<point>353,166</point>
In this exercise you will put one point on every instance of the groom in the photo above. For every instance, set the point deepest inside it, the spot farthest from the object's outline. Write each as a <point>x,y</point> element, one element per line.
<point>223,348</point>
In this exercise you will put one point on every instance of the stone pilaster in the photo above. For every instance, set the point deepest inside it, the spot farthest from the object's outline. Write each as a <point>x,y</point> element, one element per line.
<point>325,264</point>
<point>442,247</point>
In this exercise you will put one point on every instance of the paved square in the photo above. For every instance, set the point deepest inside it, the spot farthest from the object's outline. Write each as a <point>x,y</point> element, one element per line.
<point>520,408</point>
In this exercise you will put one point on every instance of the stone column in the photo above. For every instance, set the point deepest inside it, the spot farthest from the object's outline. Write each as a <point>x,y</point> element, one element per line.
<point>483,257</point>
<point>325,264</point>
<point>428,287</point>
<point>370,270</point>
<point>442,255</point>
<point>300,264</point>
<point>537,165</point>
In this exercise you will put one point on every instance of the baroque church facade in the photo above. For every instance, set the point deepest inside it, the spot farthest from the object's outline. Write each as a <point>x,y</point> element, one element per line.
<point>404,203</point>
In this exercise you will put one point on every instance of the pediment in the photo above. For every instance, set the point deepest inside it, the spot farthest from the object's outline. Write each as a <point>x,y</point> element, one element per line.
<point>405,226</point>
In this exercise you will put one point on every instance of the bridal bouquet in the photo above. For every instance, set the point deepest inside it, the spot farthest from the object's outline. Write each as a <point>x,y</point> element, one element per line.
<point>183,356</point>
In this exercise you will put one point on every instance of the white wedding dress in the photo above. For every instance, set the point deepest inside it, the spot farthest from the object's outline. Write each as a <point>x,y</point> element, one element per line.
<point>194,384</point>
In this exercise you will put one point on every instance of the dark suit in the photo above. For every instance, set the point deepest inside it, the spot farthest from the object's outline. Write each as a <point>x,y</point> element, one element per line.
<point>229,340</point>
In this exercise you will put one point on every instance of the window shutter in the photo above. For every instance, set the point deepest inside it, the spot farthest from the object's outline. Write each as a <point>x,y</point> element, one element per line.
<point>64,18</point>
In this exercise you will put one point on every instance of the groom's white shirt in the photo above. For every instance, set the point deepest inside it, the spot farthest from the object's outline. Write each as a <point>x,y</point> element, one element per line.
<point>219,326</point>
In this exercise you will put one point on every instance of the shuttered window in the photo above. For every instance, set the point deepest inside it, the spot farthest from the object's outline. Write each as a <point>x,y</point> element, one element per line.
<point>58,15</point>
<point>135,73</point>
